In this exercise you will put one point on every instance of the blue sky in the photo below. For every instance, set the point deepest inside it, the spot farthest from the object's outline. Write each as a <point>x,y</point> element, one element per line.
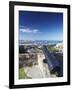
<point>40,25</point>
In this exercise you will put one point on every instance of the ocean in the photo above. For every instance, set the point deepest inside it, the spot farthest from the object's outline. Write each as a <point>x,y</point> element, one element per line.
<point>39,42</point>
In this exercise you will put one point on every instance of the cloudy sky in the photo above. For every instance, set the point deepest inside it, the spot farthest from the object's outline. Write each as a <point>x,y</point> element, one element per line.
<point>40,25</point>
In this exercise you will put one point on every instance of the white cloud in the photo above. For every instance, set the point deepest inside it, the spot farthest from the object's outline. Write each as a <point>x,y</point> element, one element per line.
<point>27,30</point>
<point>22,27</point>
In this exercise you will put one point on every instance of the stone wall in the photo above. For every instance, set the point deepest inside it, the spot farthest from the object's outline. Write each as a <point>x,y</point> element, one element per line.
<point>27,59</point>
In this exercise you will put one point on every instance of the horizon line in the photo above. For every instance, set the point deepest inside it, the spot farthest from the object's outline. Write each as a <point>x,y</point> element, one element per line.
<point>43,40</point>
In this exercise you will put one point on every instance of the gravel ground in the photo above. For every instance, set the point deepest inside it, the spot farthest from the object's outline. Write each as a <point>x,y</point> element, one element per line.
<point>33,71</point>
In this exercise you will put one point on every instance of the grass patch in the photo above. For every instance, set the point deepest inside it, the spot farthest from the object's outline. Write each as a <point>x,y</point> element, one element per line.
<point>39,50</point>
<point>52,49</point>
<point>22,74</point>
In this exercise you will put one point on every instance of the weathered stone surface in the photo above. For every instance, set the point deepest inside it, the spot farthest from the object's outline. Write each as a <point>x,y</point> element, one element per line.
<point>28,59</point>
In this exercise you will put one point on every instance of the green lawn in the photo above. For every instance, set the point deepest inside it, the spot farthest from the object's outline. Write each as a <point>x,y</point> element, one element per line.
<point>39,50</point>
<point>22,74</point>
<point>52,49</point>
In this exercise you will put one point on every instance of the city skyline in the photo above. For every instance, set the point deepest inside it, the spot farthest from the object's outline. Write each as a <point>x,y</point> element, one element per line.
<point>40,25</point>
